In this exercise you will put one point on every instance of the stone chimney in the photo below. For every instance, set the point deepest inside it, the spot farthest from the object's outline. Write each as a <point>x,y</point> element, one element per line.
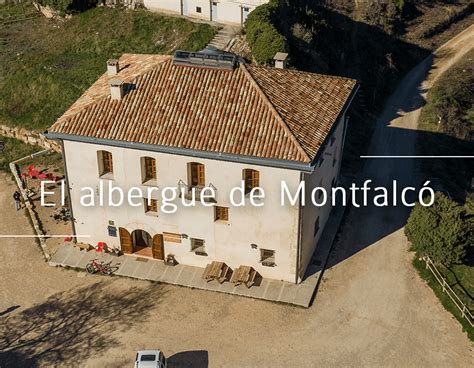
<point>280,60</point>
<point>116,89</point>
<point>112,67</point>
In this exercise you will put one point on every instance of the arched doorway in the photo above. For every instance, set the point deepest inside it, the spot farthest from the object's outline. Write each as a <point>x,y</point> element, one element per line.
<point>142,243</point>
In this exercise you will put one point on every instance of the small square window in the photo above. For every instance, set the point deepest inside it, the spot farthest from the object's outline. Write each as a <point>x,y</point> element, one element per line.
<point>316,226</point>
<point>221,213</point>
<point>198,9</point>
<point>198,247</point>
<point>267,257</point>
<point>151,206</point>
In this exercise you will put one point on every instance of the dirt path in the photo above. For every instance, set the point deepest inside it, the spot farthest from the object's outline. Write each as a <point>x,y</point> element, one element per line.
<point>372,309</point>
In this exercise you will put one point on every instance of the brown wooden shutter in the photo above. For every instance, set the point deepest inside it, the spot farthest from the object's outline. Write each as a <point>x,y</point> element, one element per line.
<point>158,251</point>
<point>200,175</point>
<point>255,178</point>
<point>125,241</point>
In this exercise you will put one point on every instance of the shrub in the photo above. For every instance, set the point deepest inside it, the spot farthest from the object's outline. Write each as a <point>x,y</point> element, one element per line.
<point>68,6</point>
<point>262,36</point>
<point>440,231</point>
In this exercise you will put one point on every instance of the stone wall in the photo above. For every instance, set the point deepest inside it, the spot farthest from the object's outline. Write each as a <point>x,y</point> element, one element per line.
<point>29,137</point>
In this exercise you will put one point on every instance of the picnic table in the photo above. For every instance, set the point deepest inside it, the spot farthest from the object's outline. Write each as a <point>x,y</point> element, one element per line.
<point>244,275</point>
<point>216,271</point>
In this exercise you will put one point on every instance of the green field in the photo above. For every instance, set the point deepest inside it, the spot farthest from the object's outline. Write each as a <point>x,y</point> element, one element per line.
<point>47,64</point>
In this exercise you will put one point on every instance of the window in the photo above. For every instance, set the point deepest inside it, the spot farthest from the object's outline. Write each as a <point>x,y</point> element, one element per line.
<point>148,169</point>
<point>334,160</point>
<point>196,176</point>
<point>148,358</point>
<point>172,237</point>
<point>333,139</point>
<point>106,165</point>
<point>251,179</point>
<point>151,206</point>
<point>267,257</point>
<point>198,9</point>
<point>316,226</point>
<point>197,246</point>
<point>321,161</point>
<point>221,213</point>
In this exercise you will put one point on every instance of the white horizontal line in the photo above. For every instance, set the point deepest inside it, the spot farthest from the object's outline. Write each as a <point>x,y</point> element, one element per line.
<point>45,236</point>
<point>395,156</point>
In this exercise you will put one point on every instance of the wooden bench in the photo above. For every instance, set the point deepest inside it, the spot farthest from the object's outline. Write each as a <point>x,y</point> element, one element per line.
<point>216,271</point>
<point>244,275</point>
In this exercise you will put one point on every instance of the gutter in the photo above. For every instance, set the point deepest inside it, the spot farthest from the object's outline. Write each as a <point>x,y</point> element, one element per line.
<point>68,188</point>
<point>283,164</point>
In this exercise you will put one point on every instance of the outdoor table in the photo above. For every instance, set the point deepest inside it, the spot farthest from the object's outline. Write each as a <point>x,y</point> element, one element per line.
<point>216,271</point>
<point>244,275</point>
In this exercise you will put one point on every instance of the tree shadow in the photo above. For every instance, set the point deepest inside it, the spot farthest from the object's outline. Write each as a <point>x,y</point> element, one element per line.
<point>72,326</point>
<point>365,226</point>
<point>195,358</point>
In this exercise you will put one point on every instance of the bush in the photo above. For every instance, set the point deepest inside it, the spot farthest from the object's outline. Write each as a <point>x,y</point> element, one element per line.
<point>440,231</point>
<point>68,6</point>
<point>262,36</point>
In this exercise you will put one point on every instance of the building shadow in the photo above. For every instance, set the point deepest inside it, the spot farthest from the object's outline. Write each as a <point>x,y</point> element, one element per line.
<point>71,326</point>
<point>364,226</point>
<point>188,359</point>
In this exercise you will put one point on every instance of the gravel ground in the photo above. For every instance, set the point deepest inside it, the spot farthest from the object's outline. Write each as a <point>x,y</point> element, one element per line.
<point>372,308</point>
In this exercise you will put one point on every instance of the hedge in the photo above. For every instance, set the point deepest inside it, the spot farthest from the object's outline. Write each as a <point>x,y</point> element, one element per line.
<point>262,36</point>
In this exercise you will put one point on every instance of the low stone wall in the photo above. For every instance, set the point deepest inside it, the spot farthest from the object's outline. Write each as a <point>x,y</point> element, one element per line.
<point>29,137</point>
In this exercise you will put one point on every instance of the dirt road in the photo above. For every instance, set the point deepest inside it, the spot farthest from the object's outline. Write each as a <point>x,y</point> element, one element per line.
<point>372,309</point>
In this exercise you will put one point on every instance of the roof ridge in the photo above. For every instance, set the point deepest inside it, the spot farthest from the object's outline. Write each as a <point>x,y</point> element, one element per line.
<point>66,116</point>
<point>282,122</point>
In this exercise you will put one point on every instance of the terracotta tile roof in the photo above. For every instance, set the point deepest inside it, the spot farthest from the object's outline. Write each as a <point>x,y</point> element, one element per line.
<point>252,111</point>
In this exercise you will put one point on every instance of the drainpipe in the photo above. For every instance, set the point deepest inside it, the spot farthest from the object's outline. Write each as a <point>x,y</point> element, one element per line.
<point>210,10</point>
<point>68,192</point>
<point>300,228</point>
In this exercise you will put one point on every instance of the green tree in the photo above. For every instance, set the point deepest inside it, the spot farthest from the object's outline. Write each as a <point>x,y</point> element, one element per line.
<point>262,36</point>
<point>441,231</point>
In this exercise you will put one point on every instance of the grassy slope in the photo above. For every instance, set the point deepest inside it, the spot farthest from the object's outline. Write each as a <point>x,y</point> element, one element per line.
<point>48,64</point>
<point>465,277</point>
<point>455,174</point>
<point>14,150</point>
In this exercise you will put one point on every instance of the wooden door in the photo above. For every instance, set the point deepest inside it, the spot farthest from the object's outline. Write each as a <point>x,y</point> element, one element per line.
<point>158,251</point>
<point>125,241</point>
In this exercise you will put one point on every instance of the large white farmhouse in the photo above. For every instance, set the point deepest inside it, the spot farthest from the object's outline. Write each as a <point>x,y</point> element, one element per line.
<point>196,120</point>
<point>222,11</point>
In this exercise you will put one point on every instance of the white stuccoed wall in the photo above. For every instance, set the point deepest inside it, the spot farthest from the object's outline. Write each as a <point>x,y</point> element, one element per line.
<point>228,11</point>
<point>270,227</point>
<point>326,172</point>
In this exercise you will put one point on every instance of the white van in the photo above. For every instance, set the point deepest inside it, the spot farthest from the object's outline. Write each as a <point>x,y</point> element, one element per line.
<point>150,359</point>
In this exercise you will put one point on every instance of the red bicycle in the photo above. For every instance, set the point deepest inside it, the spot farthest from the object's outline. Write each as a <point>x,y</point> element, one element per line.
<point>95,266</point>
